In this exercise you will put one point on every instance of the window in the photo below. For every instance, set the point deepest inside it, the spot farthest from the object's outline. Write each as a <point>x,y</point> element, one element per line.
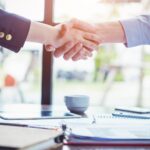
<point>113,75</point>
<point>21,73</point>
<point>31,9</point>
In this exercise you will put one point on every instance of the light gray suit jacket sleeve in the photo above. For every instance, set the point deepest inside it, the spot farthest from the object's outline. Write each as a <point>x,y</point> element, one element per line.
<point>137,30</point>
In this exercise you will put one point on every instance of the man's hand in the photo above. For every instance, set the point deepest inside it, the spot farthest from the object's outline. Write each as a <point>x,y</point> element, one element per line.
<point>76,39</point>
<point>107,32</point>
<point>84,26</point>
<point>79,43</point>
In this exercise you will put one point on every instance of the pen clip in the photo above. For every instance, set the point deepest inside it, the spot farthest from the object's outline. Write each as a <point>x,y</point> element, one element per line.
<point>93,119</point>
<point>66,131</point>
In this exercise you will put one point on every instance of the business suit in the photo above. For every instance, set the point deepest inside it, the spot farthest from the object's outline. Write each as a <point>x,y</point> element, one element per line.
<point>13,30</point>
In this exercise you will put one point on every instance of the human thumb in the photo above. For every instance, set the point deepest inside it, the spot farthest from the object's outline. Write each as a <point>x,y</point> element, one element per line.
<point>49,48</point>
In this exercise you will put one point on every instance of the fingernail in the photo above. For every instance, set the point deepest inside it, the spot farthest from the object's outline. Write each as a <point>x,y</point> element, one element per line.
<point>66,58</point>
<point>76,59</point>
<point>52,49</point>
<point>56,54</point>
<point>49,48</point>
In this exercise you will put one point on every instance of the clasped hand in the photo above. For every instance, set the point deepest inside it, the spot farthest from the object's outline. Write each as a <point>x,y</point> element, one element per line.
<point>75,40</point>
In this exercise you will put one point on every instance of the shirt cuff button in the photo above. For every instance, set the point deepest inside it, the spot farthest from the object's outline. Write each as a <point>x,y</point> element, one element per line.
<point>8,37</point>
<point>2,34</point>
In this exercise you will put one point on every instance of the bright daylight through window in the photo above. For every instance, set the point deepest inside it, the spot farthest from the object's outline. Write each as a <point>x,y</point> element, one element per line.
<point>115,75</point>
<point>20,74</point>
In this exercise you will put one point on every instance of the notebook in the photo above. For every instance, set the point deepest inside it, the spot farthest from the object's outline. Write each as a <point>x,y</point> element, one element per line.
<point>121,128</point>
<point>109,136</point>
<point>135,112</point>
<point>18,138</point>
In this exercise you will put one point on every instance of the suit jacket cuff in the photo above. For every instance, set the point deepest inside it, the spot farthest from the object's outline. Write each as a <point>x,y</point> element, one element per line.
<point>15,25</point>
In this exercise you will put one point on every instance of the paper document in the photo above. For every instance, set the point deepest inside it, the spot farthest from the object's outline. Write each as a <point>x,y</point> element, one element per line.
<point>110,135</point>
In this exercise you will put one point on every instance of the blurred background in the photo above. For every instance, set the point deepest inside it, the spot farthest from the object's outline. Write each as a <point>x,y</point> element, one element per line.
<point>114,76</point>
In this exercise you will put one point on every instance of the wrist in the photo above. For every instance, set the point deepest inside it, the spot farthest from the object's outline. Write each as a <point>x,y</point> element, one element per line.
<point>51,36</point>
<point>42,33</point>
<point>111,32</point>
<point>59,35</point>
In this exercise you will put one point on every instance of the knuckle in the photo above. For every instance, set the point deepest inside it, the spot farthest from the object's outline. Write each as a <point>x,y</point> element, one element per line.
<point>92,36</point>
<point>78,47</point>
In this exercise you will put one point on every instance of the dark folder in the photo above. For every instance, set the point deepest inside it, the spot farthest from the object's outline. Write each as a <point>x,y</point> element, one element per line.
<point>25,138</point>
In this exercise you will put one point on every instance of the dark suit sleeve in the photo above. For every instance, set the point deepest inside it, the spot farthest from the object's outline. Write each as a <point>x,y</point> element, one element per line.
<point>13,30</point>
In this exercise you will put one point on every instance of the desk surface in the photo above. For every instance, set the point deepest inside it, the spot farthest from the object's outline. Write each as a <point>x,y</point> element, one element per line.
<point>28,107</point>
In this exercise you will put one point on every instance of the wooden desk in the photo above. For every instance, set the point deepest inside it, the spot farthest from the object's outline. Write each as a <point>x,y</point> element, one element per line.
<point>65,147</point>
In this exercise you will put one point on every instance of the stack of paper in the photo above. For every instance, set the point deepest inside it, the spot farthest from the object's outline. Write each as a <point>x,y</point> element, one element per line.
<point>107,135</point>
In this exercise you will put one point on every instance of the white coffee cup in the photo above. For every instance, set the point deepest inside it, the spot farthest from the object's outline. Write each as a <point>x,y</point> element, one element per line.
<point>77,103</point>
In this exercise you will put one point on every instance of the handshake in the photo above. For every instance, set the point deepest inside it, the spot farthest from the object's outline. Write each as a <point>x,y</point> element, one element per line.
<point>75,39</point>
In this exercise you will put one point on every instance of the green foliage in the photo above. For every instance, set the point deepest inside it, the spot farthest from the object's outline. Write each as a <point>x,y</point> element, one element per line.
<point>146,58</point>
<point>105,55</point>
<point>103,59</point>
<point>119,77</point>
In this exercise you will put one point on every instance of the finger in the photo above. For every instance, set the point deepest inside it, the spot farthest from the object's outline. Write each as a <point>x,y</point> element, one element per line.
<point>63,49</point>
<point>92,37</point>
<point>89,49</point>
<point>64,29</point>
<point>85,52</point>
<point>49,48</point>
<point>82,54</point>
<point>85,58</point>
<point>73,51</point>
<point>83,25</point>
<point>89,44</point>
<point>79,58</point>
